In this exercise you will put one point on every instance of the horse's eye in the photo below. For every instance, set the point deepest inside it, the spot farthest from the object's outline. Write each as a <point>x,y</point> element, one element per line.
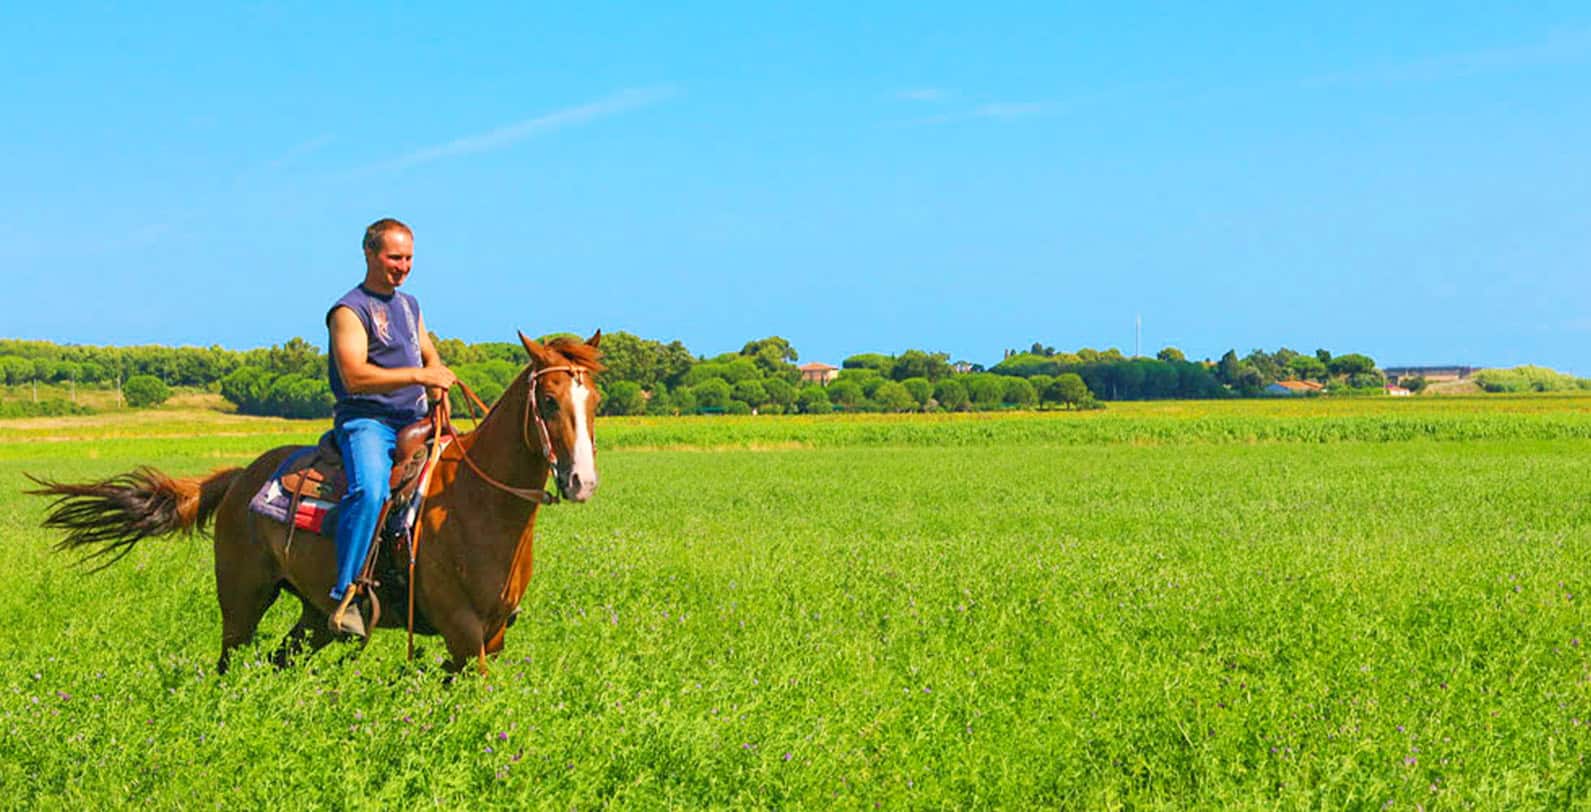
<point>549,404</point>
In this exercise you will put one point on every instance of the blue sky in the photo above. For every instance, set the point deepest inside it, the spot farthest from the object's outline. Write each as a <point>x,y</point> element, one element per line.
<point>1409,182</point>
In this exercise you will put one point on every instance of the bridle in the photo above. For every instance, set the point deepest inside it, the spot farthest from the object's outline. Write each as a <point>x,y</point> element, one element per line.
<point>531,417</point>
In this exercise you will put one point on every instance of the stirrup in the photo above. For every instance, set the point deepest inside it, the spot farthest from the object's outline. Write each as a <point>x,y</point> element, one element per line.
<point>346,620</point>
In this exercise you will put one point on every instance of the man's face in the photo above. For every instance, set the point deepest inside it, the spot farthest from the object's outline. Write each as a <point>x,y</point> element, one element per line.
<point>386,269</point>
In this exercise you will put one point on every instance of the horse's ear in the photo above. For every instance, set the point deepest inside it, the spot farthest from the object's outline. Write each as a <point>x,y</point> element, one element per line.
<point>538,353</point>
<point>595,339</point>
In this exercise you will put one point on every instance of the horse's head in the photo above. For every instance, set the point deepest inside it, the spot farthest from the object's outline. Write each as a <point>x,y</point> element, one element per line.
<point>564,403</point>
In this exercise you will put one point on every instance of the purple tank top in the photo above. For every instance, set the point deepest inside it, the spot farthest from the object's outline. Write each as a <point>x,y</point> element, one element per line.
<point>392,325</point>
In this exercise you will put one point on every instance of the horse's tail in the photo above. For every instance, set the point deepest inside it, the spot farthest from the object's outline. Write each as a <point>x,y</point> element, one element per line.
<point>116,513</point>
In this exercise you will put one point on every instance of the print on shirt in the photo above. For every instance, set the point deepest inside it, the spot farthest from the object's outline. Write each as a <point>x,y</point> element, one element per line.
<point>378,320</point>
<point>408,322</point>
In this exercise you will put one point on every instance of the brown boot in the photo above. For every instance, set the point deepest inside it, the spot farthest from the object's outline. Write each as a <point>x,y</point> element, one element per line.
<point>348,622</point>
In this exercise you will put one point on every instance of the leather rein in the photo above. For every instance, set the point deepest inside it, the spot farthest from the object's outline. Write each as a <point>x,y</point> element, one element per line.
<point>532,415</point>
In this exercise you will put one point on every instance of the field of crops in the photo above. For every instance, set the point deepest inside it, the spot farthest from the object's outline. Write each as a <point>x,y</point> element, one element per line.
<point>1353,603</point>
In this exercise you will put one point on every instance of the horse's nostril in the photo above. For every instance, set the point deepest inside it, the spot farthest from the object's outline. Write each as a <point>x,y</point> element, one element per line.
<point>574,482</point>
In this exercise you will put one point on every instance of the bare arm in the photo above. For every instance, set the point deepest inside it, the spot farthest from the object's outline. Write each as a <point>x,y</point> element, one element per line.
<point>348,352</point>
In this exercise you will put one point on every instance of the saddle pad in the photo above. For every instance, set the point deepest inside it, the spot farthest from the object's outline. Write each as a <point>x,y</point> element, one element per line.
<point>273,501</point>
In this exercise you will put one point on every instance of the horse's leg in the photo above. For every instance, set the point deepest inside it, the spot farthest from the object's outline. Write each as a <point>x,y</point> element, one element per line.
<point>247,575</point>
<point>464,637</point>
<point>243,603</point>
<point>307,636</point>
<point>246,584</point>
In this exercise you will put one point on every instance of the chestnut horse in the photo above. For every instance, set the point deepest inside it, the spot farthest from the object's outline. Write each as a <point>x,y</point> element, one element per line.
<point>474,553</point>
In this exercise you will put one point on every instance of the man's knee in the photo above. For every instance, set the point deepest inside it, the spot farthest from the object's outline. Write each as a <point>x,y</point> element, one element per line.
<point>367,496</point>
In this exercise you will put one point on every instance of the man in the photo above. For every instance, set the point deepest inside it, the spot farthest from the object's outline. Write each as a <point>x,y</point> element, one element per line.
<point>382,366</point>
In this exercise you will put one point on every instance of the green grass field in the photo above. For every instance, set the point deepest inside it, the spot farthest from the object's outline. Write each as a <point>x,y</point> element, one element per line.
<point>1323,604</point>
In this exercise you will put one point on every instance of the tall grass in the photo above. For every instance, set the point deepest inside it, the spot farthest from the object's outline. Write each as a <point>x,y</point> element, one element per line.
<point>965,613</point>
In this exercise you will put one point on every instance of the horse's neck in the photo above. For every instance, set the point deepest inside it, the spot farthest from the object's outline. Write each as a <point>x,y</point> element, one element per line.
<point>501,444</point>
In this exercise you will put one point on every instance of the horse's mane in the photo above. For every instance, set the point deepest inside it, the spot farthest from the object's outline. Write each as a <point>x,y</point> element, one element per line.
<point>577,353</point>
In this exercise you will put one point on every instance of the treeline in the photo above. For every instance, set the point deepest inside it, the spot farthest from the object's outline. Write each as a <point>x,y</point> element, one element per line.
<point>652,377</point>
<point>1110,375</point>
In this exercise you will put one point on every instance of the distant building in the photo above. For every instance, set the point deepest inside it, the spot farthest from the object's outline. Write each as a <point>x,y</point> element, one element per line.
<point>1294,388</point>
<point>818,373</point>
<point>1398,391</point>
<point>1430,374</point>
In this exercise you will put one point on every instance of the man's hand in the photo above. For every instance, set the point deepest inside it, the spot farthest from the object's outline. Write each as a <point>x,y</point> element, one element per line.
<point>436,380</point>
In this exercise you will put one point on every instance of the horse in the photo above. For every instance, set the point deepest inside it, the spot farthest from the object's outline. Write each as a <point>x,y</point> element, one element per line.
<point>474,545</point>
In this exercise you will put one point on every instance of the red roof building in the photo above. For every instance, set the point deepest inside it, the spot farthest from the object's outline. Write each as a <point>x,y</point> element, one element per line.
<point>818,373</point>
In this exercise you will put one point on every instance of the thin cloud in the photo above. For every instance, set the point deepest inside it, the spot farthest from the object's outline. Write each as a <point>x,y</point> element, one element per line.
<point>1559,48</point>
<point>924,94</point>
<point>994,110</point>
<point>298,151</point>
<point>510,134</point>
<point>1007,109</point>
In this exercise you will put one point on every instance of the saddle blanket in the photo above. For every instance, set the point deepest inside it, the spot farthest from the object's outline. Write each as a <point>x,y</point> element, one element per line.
<point>274,501</point>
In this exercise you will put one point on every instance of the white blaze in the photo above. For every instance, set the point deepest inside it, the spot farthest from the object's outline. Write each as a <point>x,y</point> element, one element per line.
<point>585,461</point>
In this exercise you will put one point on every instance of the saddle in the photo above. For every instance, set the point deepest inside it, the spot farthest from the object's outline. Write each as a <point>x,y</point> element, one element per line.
<point>320,475</point>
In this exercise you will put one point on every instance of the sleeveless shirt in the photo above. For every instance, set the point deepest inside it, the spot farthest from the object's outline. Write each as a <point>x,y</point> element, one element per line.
<point>392,325</point>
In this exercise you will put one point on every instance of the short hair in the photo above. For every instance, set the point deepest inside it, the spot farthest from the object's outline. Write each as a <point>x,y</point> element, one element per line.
<point>376,231</point>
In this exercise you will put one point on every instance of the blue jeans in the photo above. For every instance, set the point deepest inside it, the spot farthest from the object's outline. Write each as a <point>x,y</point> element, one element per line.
<point>366,445</point>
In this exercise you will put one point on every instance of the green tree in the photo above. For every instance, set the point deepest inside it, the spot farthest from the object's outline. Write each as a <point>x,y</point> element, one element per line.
<point>985,389</point>
<point>921,389</point>
<point>773,354</point>
<point>299,396</point>
<point>296,357</point>
<point>246,388</point>
<point>142,391</point>
<point>920,364</point>
<point>1069,390</point>
<point>1265,365</point>
<point>751,393</point>
<point>1018,392</point>
<point>781,393</point>
<point>684,400</point>
<point>713,393</point>
<point>1249,380</point>
<point>952,396</point>
<point>847,395</point>
<point>813,399</point>
<point>732,370</point>
<point>870,360</point>
<point>1307,368</point>
<point>1171,354</point>
<point>1351,364</point>
<point>17,370</point>
<point>1226,371</point>
<point>1160,379</point>
<point>894,397</point>
<point>1026,365</point>
<point>623,397</point>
